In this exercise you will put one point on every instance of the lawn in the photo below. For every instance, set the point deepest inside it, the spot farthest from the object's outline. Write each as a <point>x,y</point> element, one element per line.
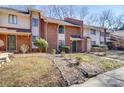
<point>102,63</point>
<point>29,71</point>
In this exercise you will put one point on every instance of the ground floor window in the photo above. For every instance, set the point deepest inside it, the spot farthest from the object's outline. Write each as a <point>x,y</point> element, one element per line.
<point>93,42</point>
<point>11,42</point>
<point>101,42</point>
<point>33,39</point>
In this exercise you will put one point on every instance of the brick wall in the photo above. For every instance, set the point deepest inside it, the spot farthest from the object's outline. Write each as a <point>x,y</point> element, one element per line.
<point>52,36</point>
<point>69,30</point>
<point>22,40</point>
<point>3,37</point>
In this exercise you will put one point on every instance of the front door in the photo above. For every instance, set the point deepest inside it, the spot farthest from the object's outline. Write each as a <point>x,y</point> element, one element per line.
<point>11,42</point>
<point>74,47</point>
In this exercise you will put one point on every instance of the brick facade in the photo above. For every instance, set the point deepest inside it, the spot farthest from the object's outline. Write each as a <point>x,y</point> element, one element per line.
<point>48,30</point>
<point>52,36</point>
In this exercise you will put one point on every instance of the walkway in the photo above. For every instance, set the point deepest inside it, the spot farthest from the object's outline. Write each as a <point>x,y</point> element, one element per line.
<point>114,78</point>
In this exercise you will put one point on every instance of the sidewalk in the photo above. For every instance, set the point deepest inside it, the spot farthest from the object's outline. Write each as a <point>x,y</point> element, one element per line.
<point>114,78</point>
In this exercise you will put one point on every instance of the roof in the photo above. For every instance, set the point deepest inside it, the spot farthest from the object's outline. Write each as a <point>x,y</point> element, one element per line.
<point>73,21</point>
<point>62,22</point>
<point>91,26</point>
<point>118,33</point>
<point>16,10</point>
<point>26,11</point>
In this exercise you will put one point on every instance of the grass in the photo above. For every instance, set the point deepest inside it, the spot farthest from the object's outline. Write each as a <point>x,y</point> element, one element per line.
<point>29,71</point>
<point>101,62</point>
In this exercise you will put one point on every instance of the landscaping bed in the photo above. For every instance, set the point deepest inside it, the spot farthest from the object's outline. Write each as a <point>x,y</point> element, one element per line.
<point>30,70</point>
<point>92,65</point>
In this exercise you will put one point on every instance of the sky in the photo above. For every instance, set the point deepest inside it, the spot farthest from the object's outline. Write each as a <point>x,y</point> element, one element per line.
<point>117,9</point>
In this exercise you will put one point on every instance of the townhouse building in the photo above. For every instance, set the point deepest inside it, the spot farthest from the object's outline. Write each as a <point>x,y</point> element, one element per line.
<point>23,27</point>
<point>97,34</point>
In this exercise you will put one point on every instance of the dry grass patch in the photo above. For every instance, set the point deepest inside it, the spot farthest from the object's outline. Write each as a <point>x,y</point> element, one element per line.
<point>100,62</point>
<point>29,71</point>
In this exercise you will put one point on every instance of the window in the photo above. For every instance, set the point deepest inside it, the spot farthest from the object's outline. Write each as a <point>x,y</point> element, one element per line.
<point>93,42</point>
<point>34,38</point>
<point>101,33</point>
<point>61,42</point>
<point>12,19</point>
<point>93,31</point>
<point>61,29</point>
<point>101,42</point>
<point>34,22</point>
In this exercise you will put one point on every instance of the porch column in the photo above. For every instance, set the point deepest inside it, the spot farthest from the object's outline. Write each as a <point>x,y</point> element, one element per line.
<point>30,40</point>
<point>6,41</point>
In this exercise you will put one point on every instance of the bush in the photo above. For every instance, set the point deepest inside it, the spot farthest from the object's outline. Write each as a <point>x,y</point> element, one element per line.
<point>63,54</point>
<point>97,49</point>
<point>78,60</point>
<point>65,49</point>
<point>24,48</point>
<point>95,45</point>
<point>41,44</point>
<point>53,51</point>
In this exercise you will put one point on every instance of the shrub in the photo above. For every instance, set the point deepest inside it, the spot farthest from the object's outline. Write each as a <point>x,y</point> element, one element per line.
<point>95,45</point>
<point>53,51</point>
<point>24,48</point>
<point>66,49</point>
<point>41,44</point>
<point>78,60</point>
<point>97,49</point>
<point>63,54</point>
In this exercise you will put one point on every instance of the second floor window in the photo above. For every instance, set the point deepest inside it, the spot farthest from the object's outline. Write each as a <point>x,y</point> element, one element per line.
<point>12,19</point>
<point>34,22</point>
<point>93,31</point>
<point>61,29</point>
<point>102,34</point>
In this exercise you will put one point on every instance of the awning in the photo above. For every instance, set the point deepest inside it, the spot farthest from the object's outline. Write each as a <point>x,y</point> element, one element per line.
<point>76,37</point>
<point>12,32</point>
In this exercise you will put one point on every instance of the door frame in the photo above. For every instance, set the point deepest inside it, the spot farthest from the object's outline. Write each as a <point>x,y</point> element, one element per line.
<point>7,42</point>
<point>72,46</point>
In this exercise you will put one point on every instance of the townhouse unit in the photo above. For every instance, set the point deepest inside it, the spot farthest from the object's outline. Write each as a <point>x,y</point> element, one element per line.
<point>23,27</point>
<point>97,34</point>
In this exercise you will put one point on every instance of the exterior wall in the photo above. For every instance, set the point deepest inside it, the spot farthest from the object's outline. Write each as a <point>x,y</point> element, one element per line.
<point>3,38</point>
<point>69,30</point>
<point>96,37</point>
<point>22,21</point>
<point>43,29</point>
<point>35,30</point>
<point>52,36</point>
<point>22,40</point>
<point>19,41</point>
<point>79,46</point>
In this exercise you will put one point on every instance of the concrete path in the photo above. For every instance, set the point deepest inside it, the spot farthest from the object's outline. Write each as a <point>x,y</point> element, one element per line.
<point>114,78</point>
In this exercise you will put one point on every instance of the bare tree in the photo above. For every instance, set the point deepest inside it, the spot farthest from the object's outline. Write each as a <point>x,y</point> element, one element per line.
<point>106,19</point>
<point>92,19</point>
<point>83,13</point>
<point>59,12</point>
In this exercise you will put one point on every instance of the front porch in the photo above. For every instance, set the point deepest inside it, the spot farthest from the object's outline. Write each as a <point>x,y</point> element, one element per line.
<point>79,44</point>
<point>13,40</point>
